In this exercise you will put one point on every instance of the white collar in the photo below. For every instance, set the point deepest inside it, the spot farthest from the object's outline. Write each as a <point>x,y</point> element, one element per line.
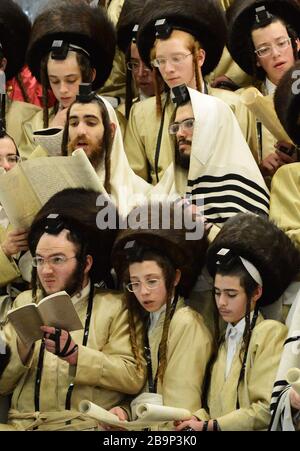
<point>270,87</point>
<point>154,317</point>
<point>238,329</point>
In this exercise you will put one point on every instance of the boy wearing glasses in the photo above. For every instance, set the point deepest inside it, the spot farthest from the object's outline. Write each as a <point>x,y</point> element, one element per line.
<point>182,42</point>
<point>50,378</point>
<point>273,27</point>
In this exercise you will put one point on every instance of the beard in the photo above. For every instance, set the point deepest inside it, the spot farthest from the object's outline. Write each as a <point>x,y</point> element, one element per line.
<point>96,151</point>
<point>73,284</point>
<point>182,159</point>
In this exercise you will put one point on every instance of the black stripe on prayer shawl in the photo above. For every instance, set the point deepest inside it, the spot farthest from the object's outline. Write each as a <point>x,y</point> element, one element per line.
<point>226,177</point>
<point>291,339</point>
<point>240,189</point>
<point>240,194</point>
<point>218,214</point>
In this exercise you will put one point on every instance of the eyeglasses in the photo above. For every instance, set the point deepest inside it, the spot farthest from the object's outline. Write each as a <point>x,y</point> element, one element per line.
<point>266,50</point>
<point>56,260</point>
<point>176,60</point>
<point>150,284</point>
<point>10,159</point>
<point>186,124</point>
<point>135,66</point>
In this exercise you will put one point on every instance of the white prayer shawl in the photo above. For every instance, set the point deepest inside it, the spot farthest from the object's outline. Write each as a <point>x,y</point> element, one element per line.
<point>280,405</point>
<point>127,188</point>
<point>222,172</point>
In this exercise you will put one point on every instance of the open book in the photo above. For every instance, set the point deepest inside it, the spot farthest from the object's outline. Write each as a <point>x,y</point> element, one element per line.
<point>56,310</point>
<point>30,184</point>
<point>147,415</point>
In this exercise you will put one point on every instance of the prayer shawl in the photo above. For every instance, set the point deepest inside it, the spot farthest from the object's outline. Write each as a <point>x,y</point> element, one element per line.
<point>223,176</point>
<point>282,419</point>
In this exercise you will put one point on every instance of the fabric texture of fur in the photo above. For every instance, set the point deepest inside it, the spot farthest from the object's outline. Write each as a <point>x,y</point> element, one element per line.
<point>14,36</point>
<point>287,102</point>
<point>170,241</point>
<point>130,16</point>
<point>266,246</point>
<point>205,20</point>
<point>78,24</point>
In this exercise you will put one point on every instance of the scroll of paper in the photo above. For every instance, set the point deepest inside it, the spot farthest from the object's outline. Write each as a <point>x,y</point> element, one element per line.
<point>263,108</point>
<point>147,415</point>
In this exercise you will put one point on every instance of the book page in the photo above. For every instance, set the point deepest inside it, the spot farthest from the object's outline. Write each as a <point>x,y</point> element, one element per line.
<point>27,322</point>
<point>151,414</point>
<point>57,310</point>
<point>29,185</point>
<point>17,198</point>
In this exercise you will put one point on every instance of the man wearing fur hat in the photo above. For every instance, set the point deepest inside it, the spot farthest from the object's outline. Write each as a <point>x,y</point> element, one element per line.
<point>273,27</point>
<point>14,36</point>
<point>66,41</point>
<point>50,378</point>
<point>183,42</point>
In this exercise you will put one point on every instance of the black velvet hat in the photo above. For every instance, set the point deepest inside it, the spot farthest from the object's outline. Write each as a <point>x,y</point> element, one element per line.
<point>287,102</point>
<point>263,244</point>
<point>14,36</point>
<point>204,19</point>
<point>241,17</point>
<point>78,24</point>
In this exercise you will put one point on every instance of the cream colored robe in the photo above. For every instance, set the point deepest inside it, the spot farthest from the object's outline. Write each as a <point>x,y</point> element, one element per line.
<point>17,115</point>
<point>143,127</point>
<point>189,351</point>
<point>105,372</point>
<point>285,200</point>
<point>255,389</point>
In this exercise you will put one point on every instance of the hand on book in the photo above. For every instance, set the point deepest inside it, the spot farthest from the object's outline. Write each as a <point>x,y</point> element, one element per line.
<point>194,425</point>
<point>59,338</point>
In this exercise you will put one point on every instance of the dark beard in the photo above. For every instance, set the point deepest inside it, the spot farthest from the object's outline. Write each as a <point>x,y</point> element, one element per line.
<point>182,159</point>
<point>97,152</point>
<point>74,283</point>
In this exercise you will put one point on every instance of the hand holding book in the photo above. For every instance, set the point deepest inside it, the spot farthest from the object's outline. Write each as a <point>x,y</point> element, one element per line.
<point>55,310</point>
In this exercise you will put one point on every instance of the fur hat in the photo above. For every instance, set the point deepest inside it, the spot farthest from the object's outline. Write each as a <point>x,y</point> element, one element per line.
<point>267,247</point>
<point>129,17</point>
<point>241,18</point>
<point>79,24</point>
<point>287,102</point>
<point>14,36</point>
<point>67,204</point>
<point>186,255</point>
<point>205,20</point>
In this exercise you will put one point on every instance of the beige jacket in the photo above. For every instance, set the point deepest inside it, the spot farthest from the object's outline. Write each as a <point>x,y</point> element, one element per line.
<point>255,389</point>
<point>105,371</point>
<point>17,115</point>
<point>285,200</point>
<point>189,351</point>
